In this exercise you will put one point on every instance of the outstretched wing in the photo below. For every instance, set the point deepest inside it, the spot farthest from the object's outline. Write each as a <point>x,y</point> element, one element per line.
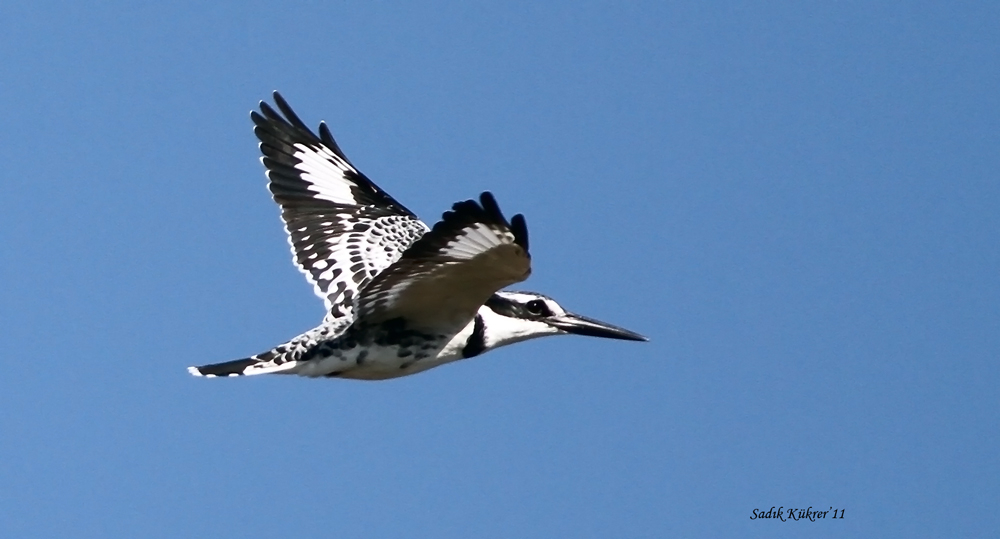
<point>343,229</point>
<point>447,274</point>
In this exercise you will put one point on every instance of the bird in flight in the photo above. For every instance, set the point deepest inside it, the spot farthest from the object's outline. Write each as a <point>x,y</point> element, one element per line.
<point>400,297</point>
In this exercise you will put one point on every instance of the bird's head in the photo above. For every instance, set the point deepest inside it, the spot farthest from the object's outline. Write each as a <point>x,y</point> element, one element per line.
<point>511,317</point>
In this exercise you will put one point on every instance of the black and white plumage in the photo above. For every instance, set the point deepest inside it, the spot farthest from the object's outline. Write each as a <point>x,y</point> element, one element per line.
<point>401,297</point>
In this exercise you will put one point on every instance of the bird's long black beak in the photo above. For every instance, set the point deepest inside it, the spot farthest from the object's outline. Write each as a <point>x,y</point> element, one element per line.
<point>581,325</point>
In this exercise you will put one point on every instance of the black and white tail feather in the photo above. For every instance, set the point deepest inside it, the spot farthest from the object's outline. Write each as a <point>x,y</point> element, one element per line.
<point>400,297</point>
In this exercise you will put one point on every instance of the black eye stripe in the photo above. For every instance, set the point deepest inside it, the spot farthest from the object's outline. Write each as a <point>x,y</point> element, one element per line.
<point>531,309</point>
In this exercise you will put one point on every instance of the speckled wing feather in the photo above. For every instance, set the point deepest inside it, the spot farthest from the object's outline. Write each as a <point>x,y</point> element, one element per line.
<point>343,228</point>
<point>452,270</point>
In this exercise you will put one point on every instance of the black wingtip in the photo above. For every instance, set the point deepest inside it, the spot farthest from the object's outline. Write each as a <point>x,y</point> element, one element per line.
<point>288,112</point>
<point>519,228</point>
<point>266,110</point>
<point>489,203</point>
<point>486,209</point>
<point>269,113</point>
<point>517,225</point>
<point>327,137</point>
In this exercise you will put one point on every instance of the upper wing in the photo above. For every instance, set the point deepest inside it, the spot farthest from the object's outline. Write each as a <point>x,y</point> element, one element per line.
<point>343,229</point>
<point>452,270</point>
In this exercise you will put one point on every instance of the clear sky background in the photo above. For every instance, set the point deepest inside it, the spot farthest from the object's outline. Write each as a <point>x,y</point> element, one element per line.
<point>797,202</point>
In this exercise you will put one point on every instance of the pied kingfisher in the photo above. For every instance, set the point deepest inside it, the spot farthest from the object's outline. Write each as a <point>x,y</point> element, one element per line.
<point>400,297</point>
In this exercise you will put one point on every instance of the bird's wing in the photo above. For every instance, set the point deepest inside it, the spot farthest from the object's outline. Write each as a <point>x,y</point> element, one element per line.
<point>447,274</point>
<point>343,229</point>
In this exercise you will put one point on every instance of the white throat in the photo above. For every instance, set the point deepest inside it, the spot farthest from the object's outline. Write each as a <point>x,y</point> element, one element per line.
<point>503,330</point>
<point>497,330</point>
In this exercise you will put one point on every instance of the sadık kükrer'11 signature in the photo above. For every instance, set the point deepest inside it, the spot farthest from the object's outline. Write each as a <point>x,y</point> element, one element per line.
<point>784,515</point>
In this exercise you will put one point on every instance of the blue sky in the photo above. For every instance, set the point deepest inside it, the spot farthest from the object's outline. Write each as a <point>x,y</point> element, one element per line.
<point>798,204</point>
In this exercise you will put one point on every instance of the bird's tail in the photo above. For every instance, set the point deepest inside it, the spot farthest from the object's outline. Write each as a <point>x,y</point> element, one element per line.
<point>236,367</point>
<point>272,361</point>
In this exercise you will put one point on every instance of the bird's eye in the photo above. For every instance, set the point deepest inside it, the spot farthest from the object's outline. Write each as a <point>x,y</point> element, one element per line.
<point>538,307</point>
